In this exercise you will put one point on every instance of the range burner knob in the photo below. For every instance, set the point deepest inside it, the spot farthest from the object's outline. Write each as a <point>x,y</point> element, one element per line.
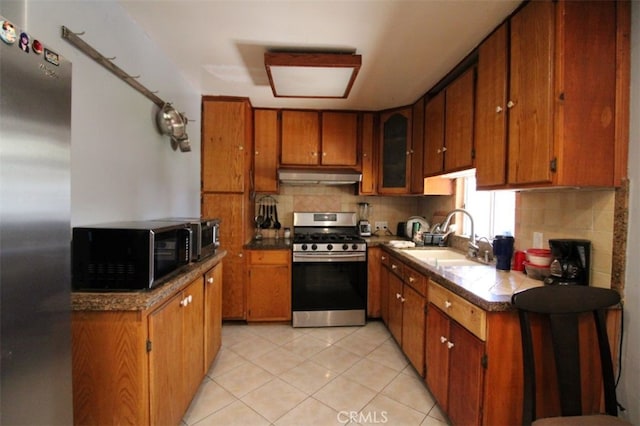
<point>314,247</point>
<point>345,246</point>
<point>304,247</point>
<point>329,246</point>
<point>355,246</point>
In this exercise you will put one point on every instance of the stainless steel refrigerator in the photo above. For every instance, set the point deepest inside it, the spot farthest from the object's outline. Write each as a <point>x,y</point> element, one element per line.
<point>35,232</point>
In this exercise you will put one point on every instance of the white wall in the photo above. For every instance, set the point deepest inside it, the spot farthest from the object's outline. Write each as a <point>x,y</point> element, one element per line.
<point>122,168</point>
<point>629,388</point>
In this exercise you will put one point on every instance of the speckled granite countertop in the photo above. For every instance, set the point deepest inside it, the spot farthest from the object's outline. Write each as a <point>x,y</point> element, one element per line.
<point>143,300</point>
<point>482,285</point>
<point>269,244</point>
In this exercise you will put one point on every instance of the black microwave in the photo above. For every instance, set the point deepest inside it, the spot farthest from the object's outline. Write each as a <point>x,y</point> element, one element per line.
<point>128,256</point>
<point>205,235</point>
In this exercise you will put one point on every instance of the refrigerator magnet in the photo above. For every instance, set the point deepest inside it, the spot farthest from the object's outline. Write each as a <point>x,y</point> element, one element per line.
<point>51,57</point>
<point>36,47</point>
<point>7,32</point>
<point>24,42</point>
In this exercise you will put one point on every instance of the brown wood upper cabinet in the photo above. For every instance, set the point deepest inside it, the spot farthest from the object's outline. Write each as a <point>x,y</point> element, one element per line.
<point>339,138</point>
<point>368,155</point>
<point>312,138</point>
<point>266,144</point>
<point>395,150</point>
<point>449,127</point>
<point>562,124</point>
<point>226,144</point>
<point>417,147</point>
<point>300,143</point>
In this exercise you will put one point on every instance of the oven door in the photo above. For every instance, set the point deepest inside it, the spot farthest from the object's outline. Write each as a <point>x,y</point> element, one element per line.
<point>328,293</point>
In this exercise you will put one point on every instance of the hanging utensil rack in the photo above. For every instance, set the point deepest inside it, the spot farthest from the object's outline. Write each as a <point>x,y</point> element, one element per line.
<point>267,198</point>
<point>131,80</point>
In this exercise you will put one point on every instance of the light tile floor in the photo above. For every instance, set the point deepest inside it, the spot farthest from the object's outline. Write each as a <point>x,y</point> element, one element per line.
<point>273,374</point>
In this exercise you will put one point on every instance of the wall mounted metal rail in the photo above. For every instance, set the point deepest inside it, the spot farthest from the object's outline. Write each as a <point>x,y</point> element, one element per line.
<point>80,44</point>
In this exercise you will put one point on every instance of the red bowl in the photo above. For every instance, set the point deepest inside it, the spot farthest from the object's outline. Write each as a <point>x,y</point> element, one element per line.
<point>538,256</point>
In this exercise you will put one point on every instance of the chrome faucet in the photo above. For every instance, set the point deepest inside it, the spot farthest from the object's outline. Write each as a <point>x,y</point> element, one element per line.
<point>473,246</point>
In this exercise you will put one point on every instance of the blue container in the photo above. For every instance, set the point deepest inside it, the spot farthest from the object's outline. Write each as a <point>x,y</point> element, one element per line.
<point>503,251</point>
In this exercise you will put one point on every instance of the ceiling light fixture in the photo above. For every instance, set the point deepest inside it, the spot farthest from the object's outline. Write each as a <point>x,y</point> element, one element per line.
<point>311,75</point>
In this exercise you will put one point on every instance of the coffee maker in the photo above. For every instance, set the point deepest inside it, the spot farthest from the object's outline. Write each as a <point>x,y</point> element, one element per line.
<point>364,227</point>
<point>571,260</point>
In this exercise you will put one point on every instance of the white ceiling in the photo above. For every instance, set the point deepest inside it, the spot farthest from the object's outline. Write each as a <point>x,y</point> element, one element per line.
<point>406,46</point>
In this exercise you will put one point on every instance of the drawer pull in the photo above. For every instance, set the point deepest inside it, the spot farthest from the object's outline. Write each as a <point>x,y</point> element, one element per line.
<point>450,345</point>
<point>443,339</point>
<point>447,304</point>
<point>411,279</point>
<point>383,258</point>
<point>210,280</point>
<point>394,267</point>
<point>402,299</point>
<point>398,296</point>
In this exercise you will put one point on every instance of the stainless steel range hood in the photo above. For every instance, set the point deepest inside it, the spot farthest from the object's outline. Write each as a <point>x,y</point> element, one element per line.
<point>319,176</point>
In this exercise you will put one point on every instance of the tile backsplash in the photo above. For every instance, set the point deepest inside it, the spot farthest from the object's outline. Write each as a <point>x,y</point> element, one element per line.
<point>341,198</point>
<point>571,213</point>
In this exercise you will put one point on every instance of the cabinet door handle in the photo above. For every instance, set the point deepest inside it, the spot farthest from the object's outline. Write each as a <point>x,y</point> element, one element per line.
<point>447,304</point>
<point>184,302</point>
<point>402,299</point>
<point>444,149</point>
<point>498,109</point>
<point>398,296</point>
<point>394,267</point>
<point>411,279</point>
<point>324,154</point>
<point>443,339</point>
<point>257,153</point>
<point>383,258</point>
<point>189,299</point>
<point>511,104</point>
<point>450,345</point>
<point>364,155</point>
<point>240,147</point>
<point>210,280</point>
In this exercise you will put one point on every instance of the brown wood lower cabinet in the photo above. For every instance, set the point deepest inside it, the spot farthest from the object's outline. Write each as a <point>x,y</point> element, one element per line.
<point>142,367</point>
<point>212,314</point>
<point>269,285</point>
<point>406,290</point>
<point>373,282</point>
<point>176,356</point>
<point>455,373</point>
<point>384,287</point>
<point>471,357</point>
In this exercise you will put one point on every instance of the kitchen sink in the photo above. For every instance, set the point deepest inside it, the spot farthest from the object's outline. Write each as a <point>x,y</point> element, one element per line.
<point>440,257</point>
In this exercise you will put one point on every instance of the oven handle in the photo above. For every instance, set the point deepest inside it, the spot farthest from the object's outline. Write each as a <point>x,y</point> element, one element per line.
<point>315,257</point>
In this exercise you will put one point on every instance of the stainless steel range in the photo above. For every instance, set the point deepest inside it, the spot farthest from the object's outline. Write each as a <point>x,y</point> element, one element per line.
<point>329,281</point>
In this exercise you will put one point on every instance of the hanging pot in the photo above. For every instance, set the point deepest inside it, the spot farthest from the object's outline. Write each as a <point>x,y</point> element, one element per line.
<point>170,122</point>
<point>184,143</point>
